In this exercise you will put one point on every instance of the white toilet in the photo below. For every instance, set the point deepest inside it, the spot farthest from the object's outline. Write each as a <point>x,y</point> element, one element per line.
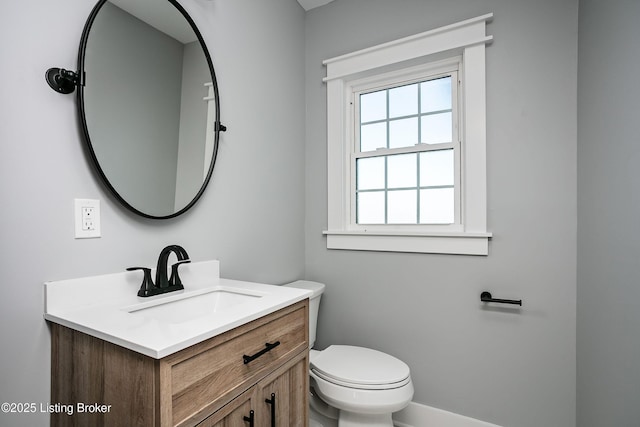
<point>355,385</point>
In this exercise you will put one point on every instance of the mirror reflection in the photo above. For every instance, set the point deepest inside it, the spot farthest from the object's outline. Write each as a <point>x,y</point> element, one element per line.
<point>149,105</point>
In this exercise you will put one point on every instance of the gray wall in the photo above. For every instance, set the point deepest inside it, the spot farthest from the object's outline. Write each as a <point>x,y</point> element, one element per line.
<point>513,368</point>
<point>251,217</point>
<point>608,334</point>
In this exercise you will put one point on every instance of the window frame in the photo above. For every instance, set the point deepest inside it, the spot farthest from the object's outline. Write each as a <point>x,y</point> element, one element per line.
<point>418,74</point>
<point>465,39</point>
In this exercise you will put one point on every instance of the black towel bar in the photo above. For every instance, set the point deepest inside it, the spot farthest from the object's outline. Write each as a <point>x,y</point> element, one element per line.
<point>486,297</point>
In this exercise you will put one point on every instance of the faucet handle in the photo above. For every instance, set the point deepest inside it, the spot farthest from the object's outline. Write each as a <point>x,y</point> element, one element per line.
<point>174,280</point>
<point>147,287</point>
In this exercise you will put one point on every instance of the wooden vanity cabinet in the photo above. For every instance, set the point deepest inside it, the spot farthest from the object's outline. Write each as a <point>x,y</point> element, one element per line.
<point>208,384</point>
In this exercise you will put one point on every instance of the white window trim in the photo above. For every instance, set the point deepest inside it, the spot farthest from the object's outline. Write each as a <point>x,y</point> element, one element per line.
<point>468,37</point>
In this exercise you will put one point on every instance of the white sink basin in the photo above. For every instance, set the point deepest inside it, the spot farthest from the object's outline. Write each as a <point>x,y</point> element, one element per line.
<point>107,307</point>
<point>188,307</point>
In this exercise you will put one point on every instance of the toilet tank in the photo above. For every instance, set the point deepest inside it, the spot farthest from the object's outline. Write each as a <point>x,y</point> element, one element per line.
<point>314,304</point>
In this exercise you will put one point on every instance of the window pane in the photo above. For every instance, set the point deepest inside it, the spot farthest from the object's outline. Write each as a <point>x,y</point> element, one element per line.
<point>437,206</point>
<point>370,208</point>
<point>402,207</point>
<point>437,128</point>
<point>436,168</point>
<point>373,106</point>
<point>403,101</point>
<point>435,95</point>
<point>373,136</point>
<point>402,171</point>
<point>403,132</point>
<point>370,173</point>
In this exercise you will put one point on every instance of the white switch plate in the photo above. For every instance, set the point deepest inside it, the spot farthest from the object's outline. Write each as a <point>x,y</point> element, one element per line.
<point>87,218</point>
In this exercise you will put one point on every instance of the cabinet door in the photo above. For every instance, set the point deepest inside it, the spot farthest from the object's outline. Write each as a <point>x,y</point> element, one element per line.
<point>233,414</point>
<point>281,398</point>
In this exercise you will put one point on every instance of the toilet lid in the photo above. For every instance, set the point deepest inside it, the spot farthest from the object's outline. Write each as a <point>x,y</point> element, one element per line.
<point>359,366</point>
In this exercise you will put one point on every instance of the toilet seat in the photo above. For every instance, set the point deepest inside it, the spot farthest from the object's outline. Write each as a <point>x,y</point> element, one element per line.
<point>350,400</point>
<point>360,368</point>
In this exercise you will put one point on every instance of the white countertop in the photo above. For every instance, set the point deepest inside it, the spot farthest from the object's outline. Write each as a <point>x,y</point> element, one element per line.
<point>107,307</point>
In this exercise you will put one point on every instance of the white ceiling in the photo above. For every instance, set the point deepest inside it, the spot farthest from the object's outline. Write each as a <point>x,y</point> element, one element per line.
<point>310,4</point>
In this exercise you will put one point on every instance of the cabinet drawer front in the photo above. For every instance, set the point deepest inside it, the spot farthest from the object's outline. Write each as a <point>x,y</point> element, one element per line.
<point>221,371</point>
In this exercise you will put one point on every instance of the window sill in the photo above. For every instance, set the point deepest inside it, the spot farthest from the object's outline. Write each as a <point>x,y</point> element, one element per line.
<point>441,243</point>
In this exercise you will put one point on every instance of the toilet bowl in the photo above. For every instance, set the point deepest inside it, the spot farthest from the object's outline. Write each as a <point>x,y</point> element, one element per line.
<point>357,386</point>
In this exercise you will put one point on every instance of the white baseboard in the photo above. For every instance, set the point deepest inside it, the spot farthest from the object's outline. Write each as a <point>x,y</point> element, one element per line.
<point>418,415</point>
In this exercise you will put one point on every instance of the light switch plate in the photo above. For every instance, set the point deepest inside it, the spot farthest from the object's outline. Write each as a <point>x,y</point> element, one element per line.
<point>87,218</point>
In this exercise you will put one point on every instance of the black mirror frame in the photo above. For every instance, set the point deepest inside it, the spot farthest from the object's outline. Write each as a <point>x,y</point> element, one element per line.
<point>63,81</point>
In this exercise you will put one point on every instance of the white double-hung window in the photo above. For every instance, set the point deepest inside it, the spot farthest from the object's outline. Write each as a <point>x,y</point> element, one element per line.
<point>406,144</point>
<point>406,156</point>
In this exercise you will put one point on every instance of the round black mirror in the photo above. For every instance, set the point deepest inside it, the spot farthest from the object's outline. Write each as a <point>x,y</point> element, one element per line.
<point>148,103</point>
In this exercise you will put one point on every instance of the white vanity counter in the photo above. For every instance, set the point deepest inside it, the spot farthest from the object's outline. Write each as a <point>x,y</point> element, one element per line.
<point>107,307</point>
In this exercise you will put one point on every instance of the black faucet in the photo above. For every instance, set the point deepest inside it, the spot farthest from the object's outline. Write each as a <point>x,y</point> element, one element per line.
<point>161,270</point>
<point>163,284</point>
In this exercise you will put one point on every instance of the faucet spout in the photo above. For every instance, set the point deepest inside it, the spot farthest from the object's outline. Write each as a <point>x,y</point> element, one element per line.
<point>163,285</point>
<point>162,281</point>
